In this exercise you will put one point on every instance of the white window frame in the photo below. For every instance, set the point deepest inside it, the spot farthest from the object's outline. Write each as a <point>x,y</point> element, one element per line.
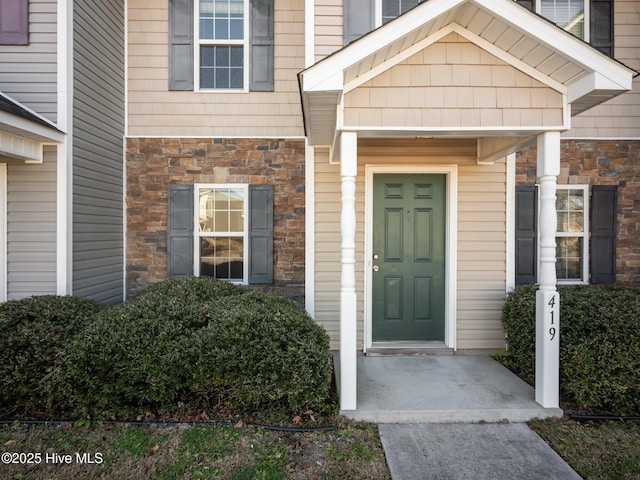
<point>198,234</point>
<point>198,42</point>
<point>587,17</point>
<point>584,235</point>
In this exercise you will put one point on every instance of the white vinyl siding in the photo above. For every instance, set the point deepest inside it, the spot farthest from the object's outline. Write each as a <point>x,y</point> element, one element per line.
<point>31,227</point>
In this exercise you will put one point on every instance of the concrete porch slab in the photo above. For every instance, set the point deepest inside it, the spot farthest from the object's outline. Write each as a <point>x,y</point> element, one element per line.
<point>441,389</point>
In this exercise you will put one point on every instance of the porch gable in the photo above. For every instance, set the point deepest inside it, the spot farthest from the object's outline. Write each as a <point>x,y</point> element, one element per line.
<point>454,84</point>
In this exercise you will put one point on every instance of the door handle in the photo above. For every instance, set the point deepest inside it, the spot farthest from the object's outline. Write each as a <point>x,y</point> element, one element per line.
<point>376,268</point>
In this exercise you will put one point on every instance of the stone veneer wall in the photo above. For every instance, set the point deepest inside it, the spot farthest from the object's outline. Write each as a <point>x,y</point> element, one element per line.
<point>154,163</point>
<point>602,162</point>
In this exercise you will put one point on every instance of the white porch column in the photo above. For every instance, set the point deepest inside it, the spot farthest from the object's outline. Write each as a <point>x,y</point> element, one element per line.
<point>547,297</point>
<point>348,310</point>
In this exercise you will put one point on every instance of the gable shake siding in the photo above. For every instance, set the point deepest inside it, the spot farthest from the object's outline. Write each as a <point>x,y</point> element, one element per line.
<point>98,123</point>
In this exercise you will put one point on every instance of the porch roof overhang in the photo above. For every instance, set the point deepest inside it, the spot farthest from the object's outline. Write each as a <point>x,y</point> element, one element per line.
<point>23,133</point>
<point>523,39</point>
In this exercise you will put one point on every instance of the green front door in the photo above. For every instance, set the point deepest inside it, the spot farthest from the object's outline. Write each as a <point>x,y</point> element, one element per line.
<point>408,257</point>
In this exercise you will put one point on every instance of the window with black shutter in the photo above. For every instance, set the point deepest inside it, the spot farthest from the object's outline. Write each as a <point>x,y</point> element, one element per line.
<point>220,53</point>
<point>221,230</point>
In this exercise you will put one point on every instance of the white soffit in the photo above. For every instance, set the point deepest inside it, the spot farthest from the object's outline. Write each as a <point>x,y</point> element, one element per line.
<point>23,133</point>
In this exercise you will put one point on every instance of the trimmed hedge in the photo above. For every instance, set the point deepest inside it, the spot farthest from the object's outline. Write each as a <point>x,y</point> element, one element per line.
<point>264,350</point>
<point>183,343</point>
<point>35,334</point>
<point>599,344</point>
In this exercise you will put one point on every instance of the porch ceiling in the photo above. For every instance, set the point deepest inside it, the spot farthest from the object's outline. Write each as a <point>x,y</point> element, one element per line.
<point>523,39</point>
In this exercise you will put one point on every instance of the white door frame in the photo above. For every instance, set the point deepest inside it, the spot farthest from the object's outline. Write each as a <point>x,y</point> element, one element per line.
<point>3,232</point>
<point>451,241</point>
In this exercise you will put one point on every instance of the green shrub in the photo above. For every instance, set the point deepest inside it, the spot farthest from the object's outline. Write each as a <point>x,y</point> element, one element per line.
<point>599,344</point>
<point>264,350</point>
<point>173,344</point>
<point>129,359</point>
<point>35,334</point>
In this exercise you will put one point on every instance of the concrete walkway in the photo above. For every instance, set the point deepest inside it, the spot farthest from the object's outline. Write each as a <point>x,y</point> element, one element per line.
<point>454,417</point>
<point>470,452</point>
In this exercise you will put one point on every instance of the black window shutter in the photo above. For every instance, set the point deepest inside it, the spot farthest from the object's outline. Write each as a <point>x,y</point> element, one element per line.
<point>14,22</point>
<point>528,4</point>
<point>180,231</point>
<point>602,253</point>
<point>526,233</point>
<point>602,26</point>
<point>260,233</point>
<point>358,17</point>
<point>180,44</point>
<point>261,46</point>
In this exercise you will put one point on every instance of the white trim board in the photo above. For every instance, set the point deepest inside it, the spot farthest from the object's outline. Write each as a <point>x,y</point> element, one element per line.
<point>451,242</point>
<point>3,232</point>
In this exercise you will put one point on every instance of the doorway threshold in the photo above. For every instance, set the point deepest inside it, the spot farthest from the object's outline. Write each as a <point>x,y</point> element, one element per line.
<point>408,348</point>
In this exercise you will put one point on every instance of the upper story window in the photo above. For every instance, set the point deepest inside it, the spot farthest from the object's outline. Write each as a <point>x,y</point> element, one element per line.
<point>14,22</point>
<point>589,20</point>
<point>221,45</point>
<point>222,49</point>
<point>391,9</point>
<point>567,14</point>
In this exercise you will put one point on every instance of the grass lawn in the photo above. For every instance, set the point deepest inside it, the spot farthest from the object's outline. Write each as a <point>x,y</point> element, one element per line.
<point>595,450</point>
<point>184,451</point>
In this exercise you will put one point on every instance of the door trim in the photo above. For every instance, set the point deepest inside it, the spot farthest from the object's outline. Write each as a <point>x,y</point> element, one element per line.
<point>3,232</point>
<point>451,239</point>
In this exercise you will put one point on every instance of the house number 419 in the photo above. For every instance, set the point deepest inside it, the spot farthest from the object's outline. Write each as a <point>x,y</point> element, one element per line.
<point>553,315</point>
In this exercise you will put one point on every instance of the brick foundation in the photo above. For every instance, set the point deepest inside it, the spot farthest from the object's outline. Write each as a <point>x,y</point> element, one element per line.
<point>602,162</point>
<point>153,163</point>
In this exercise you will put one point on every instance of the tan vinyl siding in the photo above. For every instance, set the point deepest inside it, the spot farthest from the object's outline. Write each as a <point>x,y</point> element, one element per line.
<point>453,83</point>
<point>327,248</point>
<point>98,120</point>
<point>620,117</point>
<point>328,28</point>
<point>31,227</point>
<point>481,238</point>
<point>481,255</point>
<point>155,111</point>
<point>28,72</point>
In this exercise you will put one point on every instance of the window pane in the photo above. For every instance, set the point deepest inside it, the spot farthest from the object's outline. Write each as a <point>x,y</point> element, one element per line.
<point>567,14</point>
<point>221,66</point>
<point>221,224</point>
<point>236,221</point>
<point>206,29</point>
<point>236,56</point>
<point>205,214</point>
<point>222,29</point>
<point>570,208</point>
<point>236,29</point>
<point>569,258</point>
<point>222,257</point>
